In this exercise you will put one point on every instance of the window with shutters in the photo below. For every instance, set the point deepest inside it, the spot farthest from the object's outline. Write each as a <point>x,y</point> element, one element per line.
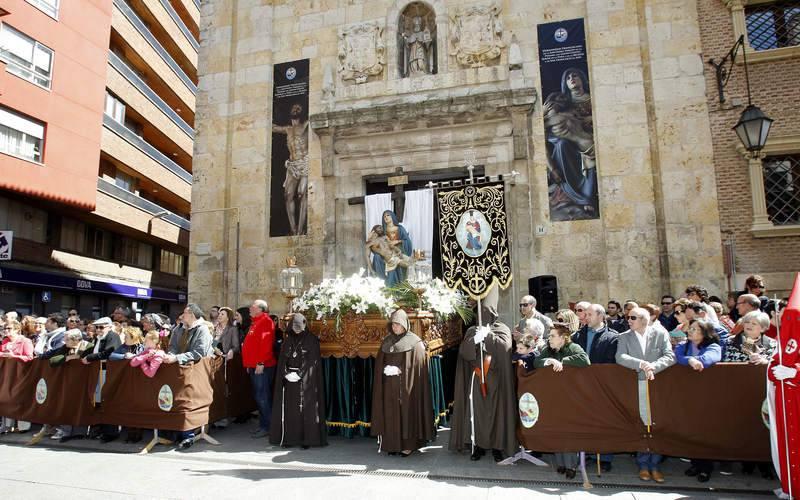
<point>21,136</point>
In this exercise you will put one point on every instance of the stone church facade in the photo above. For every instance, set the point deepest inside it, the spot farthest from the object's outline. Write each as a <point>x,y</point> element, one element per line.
<point>373,112</point>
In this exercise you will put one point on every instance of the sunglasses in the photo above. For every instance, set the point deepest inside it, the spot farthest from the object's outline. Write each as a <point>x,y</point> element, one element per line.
<point>666,303</point>
<point>632,318</point>
<point>7,329</point>
<point>524,305</point>
<point>560,319</point>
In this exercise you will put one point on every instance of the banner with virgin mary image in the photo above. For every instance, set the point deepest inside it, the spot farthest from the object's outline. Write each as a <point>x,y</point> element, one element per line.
<point>473,233</point>
<point>569,130</point>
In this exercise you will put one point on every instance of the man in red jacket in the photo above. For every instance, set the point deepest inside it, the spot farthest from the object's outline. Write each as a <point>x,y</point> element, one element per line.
<point>259,360</point>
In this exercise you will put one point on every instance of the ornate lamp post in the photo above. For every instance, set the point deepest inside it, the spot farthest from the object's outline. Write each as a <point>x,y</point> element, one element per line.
<point>421,274</point>
<point>753,126</point>
<point>291,281</point>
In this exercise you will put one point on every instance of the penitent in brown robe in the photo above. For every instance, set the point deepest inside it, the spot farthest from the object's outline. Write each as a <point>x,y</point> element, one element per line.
<point>298,408</point>
<point>402,410</point>
<point>496,414</point>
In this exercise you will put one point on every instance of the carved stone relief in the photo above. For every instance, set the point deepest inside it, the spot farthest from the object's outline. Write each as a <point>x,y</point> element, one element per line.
<point>361,52</point>
<point>477,35</point>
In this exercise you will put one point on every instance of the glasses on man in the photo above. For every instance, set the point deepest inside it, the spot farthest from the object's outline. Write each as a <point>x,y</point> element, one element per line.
<point>632,318</point>
<point>524,304</point>
<point>7,328</point>
<point>666,303</point>
<point>580,310</point>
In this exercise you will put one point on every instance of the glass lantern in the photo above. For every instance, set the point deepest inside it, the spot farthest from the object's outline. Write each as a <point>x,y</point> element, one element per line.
<point>291,280</point>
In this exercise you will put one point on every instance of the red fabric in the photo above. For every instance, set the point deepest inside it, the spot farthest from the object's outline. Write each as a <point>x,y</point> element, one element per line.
<point>258,343</point>
<point>787,395</point>
<point>21,349</point>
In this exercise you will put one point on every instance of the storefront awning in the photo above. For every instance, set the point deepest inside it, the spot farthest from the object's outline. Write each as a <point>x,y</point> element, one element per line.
<point>82,284</point>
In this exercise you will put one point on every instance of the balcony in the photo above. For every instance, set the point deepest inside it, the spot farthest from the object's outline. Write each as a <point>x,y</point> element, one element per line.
<point>131,150</point>
<point>119,65</point>
<point>105,187</point>
<point>165,62</point>
<point>165,25</point>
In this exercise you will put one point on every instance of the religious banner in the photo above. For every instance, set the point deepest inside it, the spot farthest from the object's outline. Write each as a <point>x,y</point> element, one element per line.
<point>568,125</point>
<point>289,179</point>
<point>474,238</point>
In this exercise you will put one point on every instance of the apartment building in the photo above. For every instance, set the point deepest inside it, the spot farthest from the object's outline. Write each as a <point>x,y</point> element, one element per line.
<point>97,101</point>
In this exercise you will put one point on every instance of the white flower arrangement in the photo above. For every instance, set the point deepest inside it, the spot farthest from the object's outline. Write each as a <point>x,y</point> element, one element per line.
<point>442,300</point>
<point>337,297</point>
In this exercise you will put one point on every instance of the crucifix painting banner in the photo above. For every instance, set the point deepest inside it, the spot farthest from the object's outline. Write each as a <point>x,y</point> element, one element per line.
<point>474,238</point>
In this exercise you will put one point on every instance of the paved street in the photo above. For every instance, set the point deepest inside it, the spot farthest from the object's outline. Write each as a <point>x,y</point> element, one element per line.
<point>345,469</point>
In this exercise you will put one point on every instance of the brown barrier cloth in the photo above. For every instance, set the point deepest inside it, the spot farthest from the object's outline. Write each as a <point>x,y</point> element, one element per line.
<point>713,414</point>
<point>593,409</point>
<point>234,397</point>
<point>132,399</point>
<point>69,396</point>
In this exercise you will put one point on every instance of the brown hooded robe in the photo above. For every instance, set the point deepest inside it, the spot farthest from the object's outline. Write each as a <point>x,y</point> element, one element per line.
<point>496,414</point>
<point>298,408</point>
<point>402,409</point>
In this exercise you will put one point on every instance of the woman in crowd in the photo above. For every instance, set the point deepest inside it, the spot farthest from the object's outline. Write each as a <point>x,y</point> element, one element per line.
<point>751,346</point>
<point>562,352</point>
<point>242,320</point>
<point>699,352</point>
<point>20,347</point>
<point>226,333</point>
<point>569,318</point>
<point>28,327</point>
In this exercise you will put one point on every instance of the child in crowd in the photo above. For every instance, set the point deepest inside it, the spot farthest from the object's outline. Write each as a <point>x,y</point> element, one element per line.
<point>561,352</point>
<point>152,356</point>
<point>525,354</point>
<point>132,346</point>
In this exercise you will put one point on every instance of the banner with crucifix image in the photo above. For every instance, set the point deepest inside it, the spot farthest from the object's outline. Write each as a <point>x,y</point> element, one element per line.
<point>474,238</point>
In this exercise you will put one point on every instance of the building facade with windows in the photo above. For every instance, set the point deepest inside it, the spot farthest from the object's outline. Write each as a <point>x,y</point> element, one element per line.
<point>96,138</point>
<point>759,197</point>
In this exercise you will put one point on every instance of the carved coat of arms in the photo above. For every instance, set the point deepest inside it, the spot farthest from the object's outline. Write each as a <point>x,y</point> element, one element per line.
<point>361,52</point>
<point>477,35</point>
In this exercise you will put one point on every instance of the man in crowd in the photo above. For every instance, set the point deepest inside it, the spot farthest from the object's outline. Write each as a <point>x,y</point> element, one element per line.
<point>122,315</point>
<point>667,317</point>
<point>188,344</point>
<point>54,338</point>
<point>613,312</point>
<point>213,315</point>
<point>745,303</point>
<point>600,344</point>
<point>647,351</point>
<point>106,342</point>
<point>259,360</point>
<point>527,307</point>
<point>621,324</point>
<point>698,310</point>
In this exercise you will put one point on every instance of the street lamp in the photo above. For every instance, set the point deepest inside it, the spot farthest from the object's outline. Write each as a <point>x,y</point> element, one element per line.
<point>753,126</point>
<point>291,281</point>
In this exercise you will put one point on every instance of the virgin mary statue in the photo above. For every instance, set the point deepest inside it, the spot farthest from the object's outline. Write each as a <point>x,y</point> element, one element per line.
<point>400,243</point>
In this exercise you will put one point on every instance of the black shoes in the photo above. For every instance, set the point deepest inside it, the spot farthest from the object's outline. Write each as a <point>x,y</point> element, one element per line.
<point>570,473</point>
<point>477,454</point>
<point>703,477</point>
<point>561,470</point>
<point>605,466</point>
<point>692,471</point>
<point>107,438</point>
<point>186,444</point>
<point>498,455</point>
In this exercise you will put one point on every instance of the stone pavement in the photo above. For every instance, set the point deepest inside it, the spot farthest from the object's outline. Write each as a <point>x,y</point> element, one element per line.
<point>347,468</point>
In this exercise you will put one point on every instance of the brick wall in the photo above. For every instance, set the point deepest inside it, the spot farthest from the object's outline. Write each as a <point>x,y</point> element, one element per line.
<point>775,89</point>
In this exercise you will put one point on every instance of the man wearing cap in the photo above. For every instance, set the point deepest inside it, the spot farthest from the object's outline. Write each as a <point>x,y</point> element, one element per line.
<point>485,406</point>
<point>299,403</point>
<point>106,341</point>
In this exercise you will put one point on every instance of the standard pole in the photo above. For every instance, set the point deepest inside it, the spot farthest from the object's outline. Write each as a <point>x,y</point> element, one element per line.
<point>788,470</point>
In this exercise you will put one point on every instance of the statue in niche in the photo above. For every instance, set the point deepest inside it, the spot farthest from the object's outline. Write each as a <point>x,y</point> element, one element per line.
<point>417,41</point>
<point>389,250</point>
